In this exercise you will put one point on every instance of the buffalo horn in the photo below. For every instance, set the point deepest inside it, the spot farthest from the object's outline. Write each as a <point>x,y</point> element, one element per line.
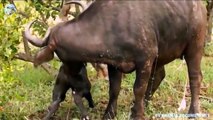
<point>76,2</point>
<point>33,39</point>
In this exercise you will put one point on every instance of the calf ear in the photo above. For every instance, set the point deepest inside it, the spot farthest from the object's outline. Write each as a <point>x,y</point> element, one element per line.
<point>43,55</point>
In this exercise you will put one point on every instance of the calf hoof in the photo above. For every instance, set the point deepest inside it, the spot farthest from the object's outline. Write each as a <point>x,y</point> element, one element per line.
<point>85,117</point>
<point>47,117</point>
<point>109,116</point>
<point>91,104</point>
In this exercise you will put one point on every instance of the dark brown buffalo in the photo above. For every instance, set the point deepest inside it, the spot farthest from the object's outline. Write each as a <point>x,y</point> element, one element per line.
<point>80,85</point>
<point>132,35</point>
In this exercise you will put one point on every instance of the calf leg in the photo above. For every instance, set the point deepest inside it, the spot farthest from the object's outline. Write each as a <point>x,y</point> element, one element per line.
<point>114,89</point>
<point>59,93</point>
<point>88,96</point>
<point>154,83</point>
<point>78,101</point>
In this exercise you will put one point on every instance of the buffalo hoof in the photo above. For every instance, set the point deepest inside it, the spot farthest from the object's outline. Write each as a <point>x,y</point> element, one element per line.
<point>138,118</point>
<point>193,110</point>
<point>110,113</point>
<point>109,116</point>
<point>192,113</point>
<point>85,117</point>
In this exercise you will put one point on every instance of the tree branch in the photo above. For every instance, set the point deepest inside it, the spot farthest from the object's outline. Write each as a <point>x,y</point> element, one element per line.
<point>26,46</point>
<point>24,57</point>
<point>27,57</point>
<point>23,14</point>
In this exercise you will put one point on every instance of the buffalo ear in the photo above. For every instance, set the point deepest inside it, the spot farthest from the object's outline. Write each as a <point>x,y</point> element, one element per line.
<point>43,55</point>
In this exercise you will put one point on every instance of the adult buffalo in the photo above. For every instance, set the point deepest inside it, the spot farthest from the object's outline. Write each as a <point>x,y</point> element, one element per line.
<point>132,35</point>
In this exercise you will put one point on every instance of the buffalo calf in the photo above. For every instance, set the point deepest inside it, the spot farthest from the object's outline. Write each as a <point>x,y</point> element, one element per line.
<point>80,86</point>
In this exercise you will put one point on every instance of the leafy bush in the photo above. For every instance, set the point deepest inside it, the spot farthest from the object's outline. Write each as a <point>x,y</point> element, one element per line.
<point>209,49</point>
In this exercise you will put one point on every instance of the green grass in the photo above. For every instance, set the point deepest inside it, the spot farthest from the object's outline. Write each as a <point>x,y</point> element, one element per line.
<point>24,90</point>
<point>26,93</point>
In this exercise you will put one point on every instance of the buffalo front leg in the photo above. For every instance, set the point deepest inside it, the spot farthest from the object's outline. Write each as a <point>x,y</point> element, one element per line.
<point>59,94</point>
<point>195,78</point>
<point>114,89</point>
<point>154,82</point>
<point>143,71</point>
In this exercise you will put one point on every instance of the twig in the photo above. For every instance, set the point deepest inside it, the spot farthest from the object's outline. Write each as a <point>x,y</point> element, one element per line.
<point>207,98</point>
<point>26,58</point>
<point>62,3</point>
<point>12,2</point>
<point>18,11</point>
<point>44,20</point>
<point>48,69</point>
<point>200,87</point>
<point>23,14</point>
<point>203,97</point>
<point>207,55</point>
<point>26,118</point>
<point>68,114</point>
<point>58,9</point>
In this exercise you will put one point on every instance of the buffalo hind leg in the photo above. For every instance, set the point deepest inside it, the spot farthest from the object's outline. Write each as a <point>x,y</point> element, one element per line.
<point>143,71</point>
<point>154,82</point>
<point>114,89</point>
<point>101,70</point>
